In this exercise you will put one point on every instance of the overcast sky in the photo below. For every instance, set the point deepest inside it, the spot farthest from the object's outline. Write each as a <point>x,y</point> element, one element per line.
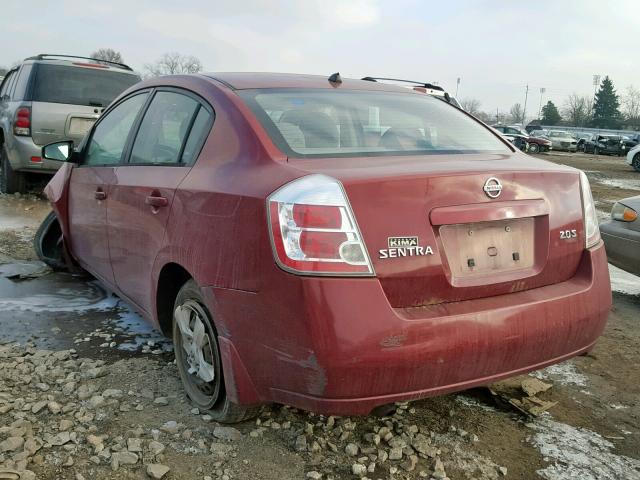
<point>495,47</point>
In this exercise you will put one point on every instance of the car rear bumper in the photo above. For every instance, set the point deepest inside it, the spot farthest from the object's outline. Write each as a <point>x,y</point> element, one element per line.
<point>623,245</point>
<point>346,350</point>
<point>25,156</point>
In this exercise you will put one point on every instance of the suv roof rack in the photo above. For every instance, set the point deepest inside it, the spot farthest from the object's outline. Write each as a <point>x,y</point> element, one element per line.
<point>419,84</point>
<point>53,56</point>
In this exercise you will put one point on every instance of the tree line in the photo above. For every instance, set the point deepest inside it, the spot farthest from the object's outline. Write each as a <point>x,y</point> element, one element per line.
<point>607,109</point>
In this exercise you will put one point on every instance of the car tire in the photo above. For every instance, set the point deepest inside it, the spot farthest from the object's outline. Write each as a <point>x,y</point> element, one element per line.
<point>534,148</point>
<point>48,243</point>
<point>202,376</point>
<point>636,162</point>
<point>10,180</point>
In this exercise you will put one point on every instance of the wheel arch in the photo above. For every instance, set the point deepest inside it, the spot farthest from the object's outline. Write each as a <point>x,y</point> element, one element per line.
<point>171,278</point>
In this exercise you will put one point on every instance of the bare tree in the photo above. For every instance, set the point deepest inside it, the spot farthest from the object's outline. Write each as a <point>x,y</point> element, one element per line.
<point>485,117</point>
<point>577,109</point>
<point>631,106</point>
<point>517,113</point>
<point>108,54</point>
<point>174,63</point>
<point>470,105</point>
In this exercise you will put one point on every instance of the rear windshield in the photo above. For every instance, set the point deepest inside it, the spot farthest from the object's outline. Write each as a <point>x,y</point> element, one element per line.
<point>79,85</point>
<point>329,123</point>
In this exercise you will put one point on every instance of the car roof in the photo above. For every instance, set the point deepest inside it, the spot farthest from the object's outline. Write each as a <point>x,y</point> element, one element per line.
<point>251,80</point>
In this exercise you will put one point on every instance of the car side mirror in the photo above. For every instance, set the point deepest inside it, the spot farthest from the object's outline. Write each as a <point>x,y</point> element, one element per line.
<point>59,151</point>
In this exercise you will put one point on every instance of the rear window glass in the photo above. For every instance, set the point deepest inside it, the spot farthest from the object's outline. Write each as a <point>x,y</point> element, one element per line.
<point>79,86</point>
<point>329,123</point>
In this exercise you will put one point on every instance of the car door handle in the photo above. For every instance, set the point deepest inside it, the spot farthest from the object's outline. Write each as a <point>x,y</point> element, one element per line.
<point>156,201</point>
<point>100,195</point>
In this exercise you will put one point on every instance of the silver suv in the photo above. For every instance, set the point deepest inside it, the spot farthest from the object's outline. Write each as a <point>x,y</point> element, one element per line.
<point>48,98</point>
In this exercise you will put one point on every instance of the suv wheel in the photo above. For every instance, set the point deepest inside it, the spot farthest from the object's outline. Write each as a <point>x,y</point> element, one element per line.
<point>534,148</point>
<point>198,357</point>
<point>636,162</point>
<point>10,181</point>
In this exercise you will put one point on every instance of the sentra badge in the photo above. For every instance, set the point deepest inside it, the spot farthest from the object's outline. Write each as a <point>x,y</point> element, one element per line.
<point>404,247</point>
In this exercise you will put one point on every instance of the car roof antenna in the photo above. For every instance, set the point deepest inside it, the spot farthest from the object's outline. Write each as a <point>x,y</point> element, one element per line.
<point>335,78</point>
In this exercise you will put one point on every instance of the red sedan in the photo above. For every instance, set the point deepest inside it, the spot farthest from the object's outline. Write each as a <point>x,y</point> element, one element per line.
<point>331,244</point>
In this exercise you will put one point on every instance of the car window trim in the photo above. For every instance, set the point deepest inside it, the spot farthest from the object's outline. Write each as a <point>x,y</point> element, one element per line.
<point>148,91</point>
<point>202,103</point>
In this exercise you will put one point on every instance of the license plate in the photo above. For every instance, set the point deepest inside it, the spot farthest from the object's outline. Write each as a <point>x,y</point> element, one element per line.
<point>80,126</point>
<point>475,249</point>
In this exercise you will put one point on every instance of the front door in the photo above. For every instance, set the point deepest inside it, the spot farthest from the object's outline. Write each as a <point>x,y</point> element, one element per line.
<point>141,196</point>
<point>90,187</point>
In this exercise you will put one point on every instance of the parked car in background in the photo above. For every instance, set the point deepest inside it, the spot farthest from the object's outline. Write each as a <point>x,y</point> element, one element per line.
<point>630,141</point>
<point>562,140</point>
<point>48,98</point>
<point>279,228</point>
<point>534,144</point>
<point>540,133</point>
<point>581,138</point>
<point>633,158</point>
<point>600,144</point>
<point>621,235</point>
<point>518,140</point>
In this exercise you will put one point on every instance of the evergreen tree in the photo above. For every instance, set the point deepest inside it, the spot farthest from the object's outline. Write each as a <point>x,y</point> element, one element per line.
<point>606,113</point>
<point>550,114</point>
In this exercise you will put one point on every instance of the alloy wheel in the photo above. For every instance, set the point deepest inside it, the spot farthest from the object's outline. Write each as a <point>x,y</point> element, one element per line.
<point>197,351</point>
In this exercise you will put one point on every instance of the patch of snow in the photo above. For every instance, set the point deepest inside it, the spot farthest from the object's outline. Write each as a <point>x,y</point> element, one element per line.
<point>564,373</point>
<point>579,454</point>
<point>617,406</point>
<point>473,403</point>
<point>624,282</point>
<point>627,184</point>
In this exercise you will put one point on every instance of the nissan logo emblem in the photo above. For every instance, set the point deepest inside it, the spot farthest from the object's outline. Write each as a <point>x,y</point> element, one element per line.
<point>492,187</point>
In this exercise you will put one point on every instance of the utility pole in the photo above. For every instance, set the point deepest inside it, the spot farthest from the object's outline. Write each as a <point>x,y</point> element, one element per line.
<point>524,110</point>
<point>542,90</point>
<point>457,85</point>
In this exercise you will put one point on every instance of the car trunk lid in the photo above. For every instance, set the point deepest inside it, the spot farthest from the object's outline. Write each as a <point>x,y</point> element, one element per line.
<point>438,230</point>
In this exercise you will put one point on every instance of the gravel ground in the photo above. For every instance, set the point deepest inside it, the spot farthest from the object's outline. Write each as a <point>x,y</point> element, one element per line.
<point>88,390</point>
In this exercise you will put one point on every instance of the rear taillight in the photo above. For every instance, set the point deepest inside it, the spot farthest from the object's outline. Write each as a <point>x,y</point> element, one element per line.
<point>22,122</point>
<point>591,229</point>
<point>313,229</point>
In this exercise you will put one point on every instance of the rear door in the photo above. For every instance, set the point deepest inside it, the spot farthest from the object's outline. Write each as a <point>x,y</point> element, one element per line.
<point>167,142</point>
<point>90,184</point>
<point>67,99</point>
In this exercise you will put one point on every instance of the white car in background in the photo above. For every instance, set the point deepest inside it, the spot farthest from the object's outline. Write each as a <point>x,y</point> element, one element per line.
<point>633,157</point>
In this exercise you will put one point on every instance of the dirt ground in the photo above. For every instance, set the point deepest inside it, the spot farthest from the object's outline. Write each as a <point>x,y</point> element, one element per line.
<point>88,390</point>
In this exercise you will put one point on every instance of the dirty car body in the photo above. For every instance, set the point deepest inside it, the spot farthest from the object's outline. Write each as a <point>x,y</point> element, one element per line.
<point>355,243</point>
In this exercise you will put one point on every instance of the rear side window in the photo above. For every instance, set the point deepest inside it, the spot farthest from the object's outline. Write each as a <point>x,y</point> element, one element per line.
<point>331,123</point>
<point>9,81</point>
<point>79,85</point>
<point>197,136</point>
<point>164,129</point>
<point>5,84</point>
<point>22,83</point>
<point>111,133</point>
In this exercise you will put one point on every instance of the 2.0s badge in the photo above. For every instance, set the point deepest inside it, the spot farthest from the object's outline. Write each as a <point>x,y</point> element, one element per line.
<point>404,247</point>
